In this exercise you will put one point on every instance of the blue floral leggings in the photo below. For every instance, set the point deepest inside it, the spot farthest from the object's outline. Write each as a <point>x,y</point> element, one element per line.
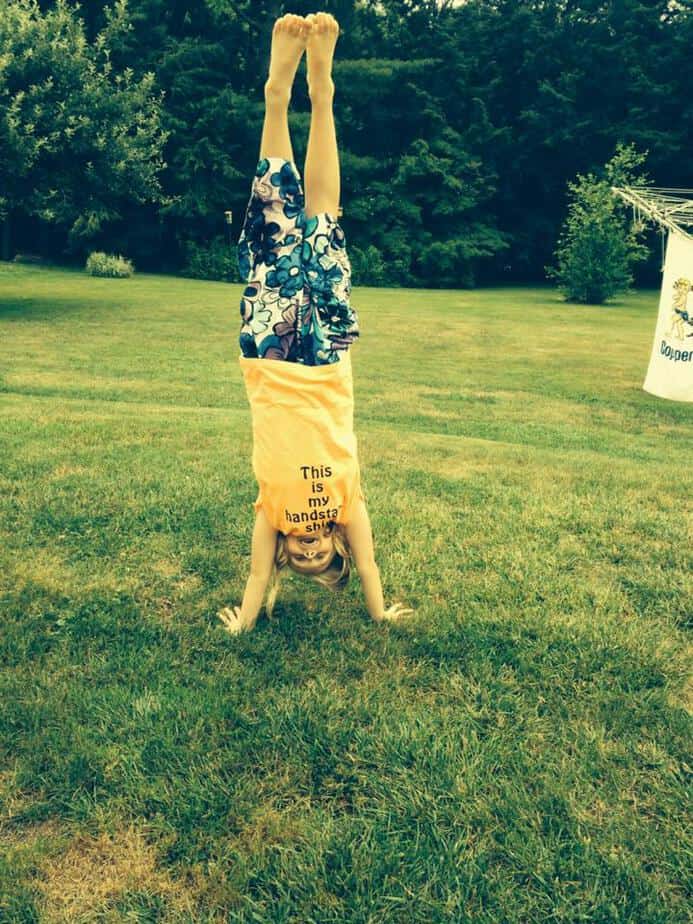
<point>295,305</point>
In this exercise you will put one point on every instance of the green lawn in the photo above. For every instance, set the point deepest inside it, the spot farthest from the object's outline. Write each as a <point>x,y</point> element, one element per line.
<point>516,752</point>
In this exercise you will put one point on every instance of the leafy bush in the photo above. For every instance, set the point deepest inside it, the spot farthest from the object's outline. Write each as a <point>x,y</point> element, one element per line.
<point>367,266</point>
<point>598,246</point>
<point>216,260</point>
<point>105,264</point>
<point>444,264</point>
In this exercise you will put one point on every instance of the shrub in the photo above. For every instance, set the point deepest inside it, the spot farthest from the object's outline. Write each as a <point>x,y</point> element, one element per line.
<point>367,266</point>
<point>597,246</point>
<point>444,264</point>
<point>105,264</point>
<point>216,260</point>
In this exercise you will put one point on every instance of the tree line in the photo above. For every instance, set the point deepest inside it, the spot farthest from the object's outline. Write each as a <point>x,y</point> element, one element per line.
<point>460,126</point>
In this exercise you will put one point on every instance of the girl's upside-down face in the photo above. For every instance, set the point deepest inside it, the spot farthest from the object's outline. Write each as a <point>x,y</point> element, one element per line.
<point>311,553</point>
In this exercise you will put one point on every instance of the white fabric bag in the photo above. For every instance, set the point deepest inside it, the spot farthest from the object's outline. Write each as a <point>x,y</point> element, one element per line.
<point>670,373</point>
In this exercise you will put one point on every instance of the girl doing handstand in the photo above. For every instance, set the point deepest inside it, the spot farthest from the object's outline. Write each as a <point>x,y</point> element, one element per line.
<point>297,327</point>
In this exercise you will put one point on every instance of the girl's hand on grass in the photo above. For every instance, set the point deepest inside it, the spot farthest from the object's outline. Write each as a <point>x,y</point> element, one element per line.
<point>396,611</point>
<point>231,617</point>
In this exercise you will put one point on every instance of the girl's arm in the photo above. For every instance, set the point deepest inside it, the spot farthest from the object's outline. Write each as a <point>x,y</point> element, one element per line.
<point>263,549</point>
<point>360,537</point>
<point>262,553</point>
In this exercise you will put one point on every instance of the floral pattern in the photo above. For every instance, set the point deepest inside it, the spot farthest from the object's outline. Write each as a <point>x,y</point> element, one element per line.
<point>287,274</point>
<point>295,305</point>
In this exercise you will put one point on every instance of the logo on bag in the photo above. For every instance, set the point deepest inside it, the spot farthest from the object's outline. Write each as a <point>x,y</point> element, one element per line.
<point>681,319</point>
<point>680,322</point>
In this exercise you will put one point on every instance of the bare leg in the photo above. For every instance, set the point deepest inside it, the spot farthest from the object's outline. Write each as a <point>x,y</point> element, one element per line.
<point>289,36</point>
<point>321,171</point>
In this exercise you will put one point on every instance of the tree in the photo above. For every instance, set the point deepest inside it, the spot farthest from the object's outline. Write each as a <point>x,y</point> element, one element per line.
<point>598,246</point>
<point>76,140</point>
<point>459,124</point>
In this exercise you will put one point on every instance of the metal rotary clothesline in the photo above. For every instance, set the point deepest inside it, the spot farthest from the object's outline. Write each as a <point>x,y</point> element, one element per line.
<point>669,208</point>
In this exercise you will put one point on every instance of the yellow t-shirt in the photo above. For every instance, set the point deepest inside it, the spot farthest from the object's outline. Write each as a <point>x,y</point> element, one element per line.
<point>304,446</point>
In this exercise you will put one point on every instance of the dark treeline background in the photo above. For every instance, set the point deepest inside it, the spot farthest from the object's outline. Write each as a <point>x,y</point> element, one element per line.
<point>459,125</point>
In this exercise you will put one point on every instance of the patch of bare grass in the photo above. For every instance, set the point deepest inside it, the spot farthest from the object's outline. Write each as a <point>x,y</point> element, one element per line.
<point>86,877</point>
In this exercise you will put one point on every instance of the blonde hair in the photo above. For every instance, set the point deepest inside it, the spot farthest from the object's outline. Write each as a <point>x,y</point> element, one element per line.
<point>335,576</point>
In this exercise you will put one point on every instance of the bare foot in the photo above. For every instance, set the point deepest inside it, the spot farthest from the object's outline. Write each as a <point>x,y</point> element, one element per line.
<point>289,36</point>
<point>320,51</point>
